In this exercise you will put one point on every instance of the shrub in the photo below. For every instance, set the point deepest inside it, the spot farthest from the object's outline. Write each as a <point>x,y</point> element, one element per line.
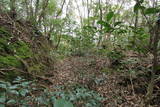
<point>115,56</point>
<point>22,93</point>
<point>26,93</point>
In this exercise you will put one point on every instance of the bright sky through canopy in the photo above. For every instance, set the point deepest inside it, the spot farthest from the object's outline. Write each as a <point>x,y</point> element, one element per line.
<point>80,6</point>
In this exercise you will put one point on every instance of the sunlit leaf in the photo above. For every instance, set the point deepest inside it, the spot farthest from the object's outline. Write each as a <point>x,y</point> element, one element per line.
<point>62,103</point>
<point>14,92</point>
<point>109,16</point>
<point>23,92</point>
<point>13,87</point>
<point>25,84</point>
<point>3,86</point>
<point>2,99</point>
<point>117,23</point>
<point>12,101</point>
<point>151,10</point>
<point>103,23</point>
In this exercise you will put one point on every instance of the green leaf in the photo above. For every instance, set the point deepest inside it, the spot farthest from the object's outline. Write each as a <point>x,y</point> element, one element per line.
<point>3,86</point>
<point>53,98</point>
<point>25,84</point>
<point>2,99</point>
<point>117,23</point>
<point>138,6</point>
<point>151,11</point>
<point>2,105</point>
<point>13,87</point>
<point>101,22</point>
<point>13,92</point>
<point>23,92</point>
<point>105,24</point>
<point>43,100</point>
<point>109,16</point>
<point>140,1</point>
<point>12,101</point>
<point>121,31</point>
<point>59,103</point>
<point>68,104</point>
<point>62,103</point>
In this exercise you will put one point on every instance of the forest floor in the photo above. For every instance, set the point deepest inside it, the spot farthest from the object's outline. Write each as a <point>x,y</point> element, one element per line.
<point>118,89</point>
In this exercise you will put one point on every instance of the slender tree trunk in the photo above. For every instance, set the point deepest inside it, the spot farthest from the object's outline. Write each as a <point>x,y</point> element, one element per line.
<point>52,28</point>
<point>1,5</point>
<point>13,13</point>
<point>42,14</point>
<point>83,5</point>
<point>136,17</point>
<point>12,5</point>
<point>101,18</point>
<point>59,40</point>
<point>88,12</point>
<point>135,24</point>
<point>67,7</point>
<point>136,20</point>
<point>62,6</point>
<point>27,9</point>
<point>101,14</point>
<point>150,88</point>
<point>36,9</point>
<point>31,12</point>
<point>81,19</point>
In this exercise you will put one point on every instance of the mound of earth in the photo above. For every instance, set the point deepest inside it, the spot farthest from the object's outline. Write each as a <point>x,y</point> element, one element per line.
<point>22,48</point>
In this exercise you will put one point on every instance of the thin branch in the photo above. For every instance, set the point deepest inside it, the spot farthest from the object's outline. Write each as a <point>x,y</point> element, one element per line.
<point>61,8</point>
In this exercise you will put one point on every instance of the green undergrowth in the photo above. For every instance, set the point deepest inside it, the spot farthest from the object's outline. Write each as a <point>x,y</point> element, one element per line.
<point>23,93</point>
<point>79,95</point>
<point>10,48</point>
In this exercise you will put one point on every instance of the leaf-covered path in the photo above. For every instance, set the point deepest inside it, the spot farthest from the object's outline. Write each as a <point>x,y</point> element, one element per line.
<point>95,74</point>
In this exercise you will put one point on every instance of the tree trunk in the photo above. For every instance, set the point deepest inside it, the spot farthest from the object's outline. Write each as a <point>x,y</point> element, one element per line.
<point>13,13</point>
<point>101,18</point>
<point>42,14</point>
<point>36,10</point>
<point>151,85</point>
<point>88,12</point>
<point>27,9</point>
